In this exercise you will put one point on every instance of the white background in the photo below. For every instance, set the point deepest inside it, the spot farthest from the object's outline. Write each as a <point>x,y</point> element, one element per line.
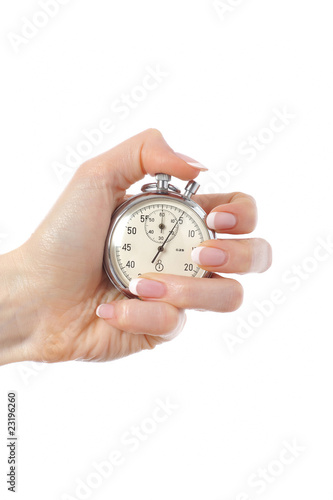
<point>236,407</point>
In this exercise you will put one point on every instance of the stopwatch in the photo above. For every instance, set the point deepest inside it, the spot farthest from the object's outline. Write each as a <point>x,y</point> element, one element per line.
<point>155,231</point>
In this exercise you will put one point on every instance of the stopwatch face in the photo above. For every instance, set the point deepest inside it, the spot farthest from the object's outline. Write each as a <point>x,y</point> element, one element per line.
<point>156,235</point>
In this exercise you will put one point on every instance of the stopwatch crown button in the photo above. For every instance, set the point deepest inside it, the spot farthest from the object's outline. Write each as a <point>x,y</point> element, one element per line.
<point>162,181</point>
<point>163,177</point>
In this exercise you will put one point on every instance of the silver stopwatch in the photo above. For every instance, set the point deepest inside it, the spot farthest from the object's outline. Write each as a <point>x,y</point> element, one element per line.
<point>155,231</point>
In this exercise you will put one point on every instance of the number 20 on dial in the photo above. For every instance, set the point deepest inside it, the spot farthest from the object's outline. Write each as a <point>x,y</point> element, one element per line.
<point>155,231</point>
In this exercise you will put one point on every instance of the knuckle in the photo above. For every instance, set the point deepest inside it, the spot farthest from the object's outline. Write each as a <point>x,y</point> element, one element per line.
<point>93,174</point>
<point>184,293</point>
<point>123,314</point>
<point>249,198</point>
<point>167,315</point>
<point>245,198</point>
<point>91,167</point>
<point>248,249</point>
<point>252,214</point>
<point>153,132</point>
<point>250,209</point>
<point>87,166</point>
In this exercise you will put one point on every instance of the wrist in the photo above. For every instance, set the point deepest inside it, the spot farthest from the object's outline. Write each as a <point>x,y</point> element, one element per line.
<point>16,309</point>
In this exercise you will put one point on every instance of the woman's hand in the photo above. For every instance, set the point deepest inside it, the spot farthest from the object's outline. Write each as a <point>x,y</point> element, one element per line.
<point>53,284</point>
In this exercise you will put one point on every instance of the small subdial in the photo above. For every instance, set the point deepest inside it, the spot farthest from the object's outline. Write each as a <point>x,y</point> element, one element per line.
<point>159,224</point>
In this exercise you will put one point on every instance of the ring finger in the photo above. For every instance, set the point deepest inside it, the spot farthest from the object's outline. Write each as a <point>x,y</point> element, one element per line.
<point>217,294</point>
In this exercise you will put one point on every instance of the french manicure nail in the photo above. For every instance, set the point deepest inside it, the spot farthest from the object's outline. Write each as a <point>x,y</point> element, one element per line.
<point>221,220</point>
<point>105,311</point>
<point>208,256</point>
<point>147,288</point>
<point>192,162</point>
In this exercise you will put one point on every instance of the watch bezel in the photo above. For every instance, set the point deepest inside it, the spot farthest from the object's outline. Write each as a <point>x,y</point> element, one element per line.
<point>118,213</point>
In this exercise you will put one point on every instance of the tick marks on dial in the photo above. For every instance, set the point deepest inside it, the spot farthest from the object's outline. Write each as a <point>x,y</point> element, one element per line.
<point>158,224</point>
<point>151,229</point>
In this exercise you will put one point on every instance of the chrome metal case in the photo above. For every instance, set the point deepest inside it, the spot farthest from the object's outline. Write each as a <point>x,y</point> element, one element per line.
<point>151,192</point>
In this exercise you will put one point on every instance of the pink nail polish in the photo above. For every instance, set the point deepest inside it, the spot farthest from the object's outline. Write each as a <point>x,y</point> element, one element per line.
<point>192,162</point>
<point>208,256</point>
<point>221,220</point>
<point>105,311</point>
<point>147,288</point>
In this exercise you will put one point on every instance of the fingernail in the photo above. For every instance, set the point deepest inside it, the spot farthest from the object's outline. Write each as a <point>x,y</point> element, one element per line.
<point>179,327</point>
<point>192,162</point>
<point>207,256</point>
<point>105,311</point>
<point>221,220</point>
<point>147,288</point>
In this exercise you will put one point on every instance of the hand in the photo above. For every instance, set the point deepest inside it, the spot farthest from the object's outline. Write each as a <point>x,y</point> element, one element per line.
<point>54,282</point>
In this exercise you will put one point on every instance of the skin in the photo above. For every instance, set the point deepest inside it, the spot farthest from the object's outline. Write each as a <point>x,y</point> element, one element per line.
<point>52,284</point>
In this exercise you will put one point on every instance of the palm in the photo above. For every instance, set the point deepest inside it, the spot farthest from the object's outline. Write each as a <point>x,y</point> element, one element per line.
<point>72,283</point>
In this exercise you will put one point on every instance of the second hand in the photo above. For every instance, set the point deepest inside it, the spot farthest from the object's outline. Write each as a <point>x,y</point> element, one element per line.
<point>160,249</point>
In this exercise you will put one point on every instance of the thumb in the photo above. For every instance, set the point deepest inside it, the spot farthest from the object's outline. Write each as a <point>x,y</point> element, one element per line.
<point>80,218</point>
<point>144,153</point>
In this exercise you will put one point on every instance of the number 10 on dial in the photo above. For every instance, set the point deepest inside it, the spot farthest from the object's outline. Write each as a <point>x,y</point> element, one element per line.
<point>155,231</point>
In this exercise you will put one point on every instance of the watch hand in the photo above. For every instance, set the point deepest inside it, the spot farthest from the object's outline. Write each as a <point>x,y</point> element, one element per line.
<point>161,225</point>
<point>161,248</point>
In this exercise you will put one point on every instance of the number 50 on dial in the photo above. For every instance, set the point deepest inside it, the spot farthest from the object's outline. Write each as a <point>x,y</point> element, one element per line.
<point>155,232</point>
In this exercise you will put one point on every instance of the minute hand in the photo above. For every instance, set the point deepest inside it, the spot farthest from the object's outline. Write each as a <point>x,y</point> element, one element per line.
<point>160,249</point>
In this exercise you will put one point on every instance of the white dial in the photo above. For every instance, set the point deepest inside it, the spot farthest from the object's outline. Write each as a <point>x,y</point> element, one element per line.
<point>159,223</point>
<point>156,235</point>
